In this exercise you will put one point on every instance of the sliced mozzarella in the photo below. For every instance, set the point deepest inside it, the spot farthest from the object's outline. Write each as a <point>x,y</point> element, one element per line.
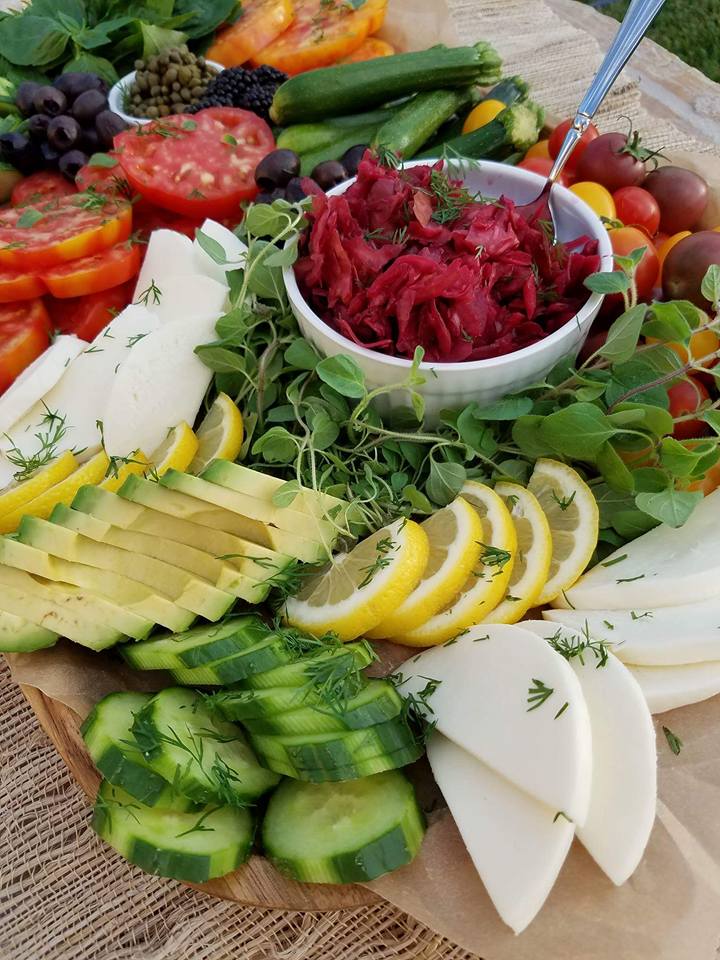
<point>37,379</point>
<point>81,395</point>
<point>484,704</point>
<point>160,384</point>
<point>168,254</point>
<point>661,637</point>
<point>664,568</point>
<point>624,774</point>
<point>183,297</point>
<point>234,250</point>
<point>666,688</point>
<point>517,844</point>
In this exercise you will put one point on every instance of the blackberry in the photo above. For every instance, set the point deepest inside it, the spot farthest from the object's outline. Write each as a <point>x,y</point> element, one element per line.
<point>248,89</point>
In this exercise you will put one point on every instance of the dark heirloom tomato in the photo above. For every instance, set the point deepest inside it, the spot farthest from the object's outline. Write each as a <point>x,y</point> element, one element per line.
<point>614,160</point>
<point>681,194</point>
<point>24,335</point>
<point>686,265</point>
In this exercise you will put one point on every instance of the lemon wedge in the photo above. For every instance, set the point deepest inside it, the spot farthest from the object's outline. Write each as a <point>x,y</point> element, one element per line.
<point>361,588</point>
<point>455,536</point>
<point>486,585</point>
<point>220,435</point>
<point>41,506</point>
<point>574,519</point>
<point>534,553</point>
<point>176,451</point>
<point>135,465</point>
<point>13,497</point>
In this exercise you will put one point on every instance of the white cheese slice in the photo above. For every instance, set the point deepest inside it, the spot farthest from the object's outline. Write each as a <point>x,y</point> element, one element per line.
<point>666,688</point>
<point>82,393</point>
<point>661,637</point>
<point>168,253</point>
<point>194,295</point>
<point>517,844</point>
<point>161,383</point>
<point>234,249</point>
<point>488,701</point>
<point>37,379</point>
<point>624,775</point>
<point>664,568</point>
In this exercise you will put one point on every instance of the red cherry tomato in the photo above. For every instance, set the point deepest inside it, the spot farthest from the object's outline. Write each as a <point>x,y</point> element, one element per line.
<point>686,397</point>
<point>41,186</point>
<point>626,239</point>
<point>614,160</point>
<point>24,335</point>
<point>87,316</point>
<point>543,166</point>
<point>636,207</point>
<point>556,141</point>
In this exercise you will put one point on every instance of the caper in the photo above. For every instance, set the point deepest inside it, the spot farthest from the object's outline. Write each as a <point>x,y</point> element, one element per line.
<point>153,112</point>
<point>171,75</point>
<point>186,95</point>
<point>164,110</point>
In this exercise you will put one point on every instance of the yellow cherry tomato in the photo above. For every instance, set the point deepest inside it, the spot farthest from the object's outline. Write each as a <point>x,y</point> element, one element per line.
<point>702,344</point>
<point>666,246</point>
<point>596,197</point>
<point>539,149</point>
<point>483,113</point>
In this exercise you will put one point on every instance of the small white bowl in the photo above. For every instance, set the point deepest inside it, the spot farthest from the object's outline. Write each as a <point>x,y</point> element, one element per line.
<point>452,385</point>
<point>116,94</point>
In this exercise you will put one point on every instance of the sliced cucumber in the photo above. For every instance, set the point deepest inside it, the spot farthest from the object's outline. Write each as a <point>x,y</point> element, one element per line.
<point>348,656</point>
<point>198,646</point>
<point>18,635</point>
<point>352,771</point>
<point>271,652</point>
<point>191,846</point>
<point>108,736</point>
<point>343,832</point>
<point>206,759</point>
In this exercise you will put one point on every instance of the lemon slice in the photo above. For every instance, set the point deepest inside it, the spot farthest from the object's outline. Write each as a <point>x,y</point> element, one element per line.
<point>487,584</point>
<point>220,435</point>
<point>534,553</point>
<point>176,451</point>
<point>361,588</point>
<point>455,535</point>
<point>136,465</point>
<point>18,494</point>
<point>41,506</point>
<point>572,512</point>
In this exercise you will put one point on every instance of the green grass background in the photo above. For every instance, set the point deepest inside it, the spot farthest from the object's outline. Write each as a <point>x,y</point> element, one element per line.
<point>690,28</point>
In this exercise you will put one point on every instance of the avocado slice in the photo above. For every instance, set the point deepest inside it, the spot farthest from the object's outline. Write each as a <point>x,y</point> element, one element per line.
<point>18,635</point>
<point>121,591</point>
<point>187,591</point>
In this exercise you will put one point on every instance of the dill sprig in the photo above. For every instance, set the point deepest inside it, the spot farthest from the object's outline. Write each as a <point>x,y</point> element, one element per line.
<point>48,441</point>
<point>151,295</point>
<point>451,199</point>
<point>538,693</point>
<point>578,645</point>
<point>416,710</point>
<point>382,560</point>
<point>199,826</point>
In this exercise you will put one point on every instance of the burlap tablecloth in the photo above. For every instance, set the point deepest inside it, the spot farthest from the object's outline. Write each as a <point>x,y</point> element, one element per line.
<point>63,894</point>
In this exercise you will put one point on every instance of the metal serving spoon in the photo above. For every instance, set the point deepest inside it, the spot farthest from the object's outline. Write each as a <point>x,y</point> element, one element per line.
<point>637,20</point>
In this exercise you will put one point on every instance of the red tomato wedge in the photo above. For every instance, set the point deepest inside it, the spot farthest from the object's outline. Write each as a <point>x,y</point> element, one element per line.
<point>24,335</point>
<point>323,32</point>
<point>40,186</point>
<point>20,285</point>
<point>87,316</point>
<point>61,229</point>
<point>104,177</point>
<point>200,166</point>
<point>102,271</point>
<point>259,23</point>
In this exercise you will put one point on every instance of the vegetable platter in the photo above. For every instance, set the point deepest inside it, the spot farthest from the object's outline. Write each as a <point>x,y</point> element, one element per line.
<point>299,633</point>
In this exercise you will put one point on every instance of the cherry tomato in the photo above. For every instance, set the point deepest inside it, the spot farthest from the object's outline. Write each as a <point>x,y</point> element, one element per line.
<point>87,316</point>
<point>686,397</point>
<point>636,207</point>
<point>702,344</point>
<point>596,197</point>
<point>664,248</point>
<point>686,265</point>
<point>103,270</point>
<point>61,229</point>
<point>626,239</point>
<point>200,166</point>
<point>20,285</point>
<point>614,160</point>
<point>710,482</point>
<point>482,114</point>
<point>559,134</point>
<point>539,149</point>
<point>24,335</point>
<point>543,166</point>
<point>40,186</point>
<point>681,194</point>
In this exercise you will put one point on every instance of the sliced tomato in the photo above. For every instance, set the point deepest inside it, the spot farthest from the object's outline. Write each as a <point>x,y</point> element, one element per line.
<point>61,229</point>
<point>370,49</point>
<point>87,316</point>
<point>200,166</point>
<point>24,335</point>
<point>20,285</point>
<point>101,271</point>
<point>259,23</point>
<point>147,218</point>
<point>40,186</point>
<point>323,32</point>
<point>104,176</point>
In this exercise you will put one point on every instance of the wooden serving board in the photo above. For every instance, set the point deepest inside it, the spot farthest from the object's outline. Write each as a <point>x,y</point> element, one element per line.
<point>256,883</point>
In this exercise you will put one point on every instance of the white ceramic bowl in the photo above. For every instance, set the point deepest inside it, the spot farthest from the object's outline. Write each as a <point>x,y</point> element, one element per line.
<point>451,385</point>
<point>116,95</point>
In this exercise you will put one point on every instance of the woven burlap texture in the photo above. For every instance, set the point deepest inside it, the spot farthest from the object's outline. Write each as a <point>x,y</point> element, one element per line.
<point>65,896</point>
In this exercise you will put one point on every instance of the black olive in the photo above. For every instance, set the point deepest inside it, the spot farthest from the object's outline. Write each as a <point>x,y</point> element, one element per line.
<point>108,126</point>
<point>88,105</point>
<point>63,133</point>
<point>73,84</point>
<point>50,101</point>
<point>352,157</point>
<point>329,174</point>
<point>71,162</point>
<point>37,126</point>
<point>50,155</point>
<point>263,198</point>
<point>277,169</point>
<point>17,150</point>
<point>294,191</point>
<point>90,141</point>
<point>24,97</point>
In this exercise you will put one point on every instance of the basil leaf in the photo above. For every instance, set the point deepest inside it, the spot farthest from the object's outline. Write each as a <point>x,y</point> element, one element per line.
<point>637,373</point>
<point>655,419</point>
<point>88,63</point>
<point>342,374</point>
<point>159,39</point>
<point>670,506</point>
<point>205,17</point>
<point>28,40</point>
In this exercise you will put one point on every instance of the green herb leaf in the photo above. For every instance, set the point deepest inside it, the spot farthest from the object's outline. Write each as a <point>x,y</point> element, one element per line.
<point>263,220</point>
<point>712,417</point>
<point>614,471</point>
<point>28,40</point>
<point>670,506</point>
<point>277,445</point>
<point>220,359</point>
<point>623,335</point>
<point>527,434</point>
<point>417,500</point>
<point>102,160</point>
<point>342,374</point>
<point>285,495</point>
<point>615,282</point>
<point>211,247</point>
<point>445,481</point>
<point>509,408</point>
<point>669,322</point>
<point>673,741</point>
<point>710,286</point>
<point>577,431</point>
<point>302,354</point>
<point>678,459</point>
<point>29,218</point>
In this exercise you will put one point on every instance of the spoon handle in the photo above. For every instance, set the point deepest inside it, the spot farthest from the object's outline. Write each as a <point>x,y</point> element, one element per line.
<point>637,20</point>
